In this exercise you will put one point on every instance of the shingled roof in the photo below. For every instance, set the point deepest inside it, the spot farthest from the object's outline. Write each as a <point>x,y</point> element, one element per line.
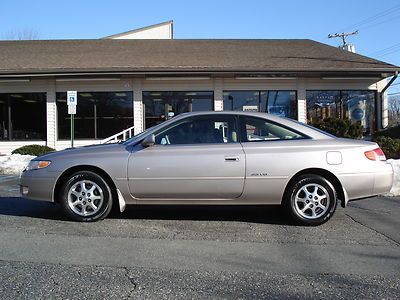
<point>108,55</point>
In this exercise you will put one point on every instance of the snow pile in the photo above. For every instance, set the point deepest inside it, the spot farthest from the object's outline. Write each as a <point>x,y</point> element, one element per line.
<point>14,164</point>
<point>395,190</point>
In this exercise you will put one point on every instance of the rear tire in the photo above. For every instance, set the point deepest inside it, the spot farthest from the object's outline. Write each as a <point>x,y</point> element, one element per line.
<point>86,197</point>
<point>310,200</point>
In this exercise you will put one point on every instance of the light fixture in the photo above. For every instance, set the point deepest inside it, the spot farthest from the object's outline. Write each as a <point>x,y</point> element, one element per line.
<point>262,78</point>
<point>351,78</point>
<point>179,78</point>
<point>16,96</point>
<point>14,80</point>
<point>86,95</point>
<point>88,79</point>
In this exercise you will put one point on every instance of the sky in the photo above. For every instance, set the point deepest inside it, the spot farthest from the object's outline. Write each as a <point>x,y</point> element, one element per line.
<point>378,22</point>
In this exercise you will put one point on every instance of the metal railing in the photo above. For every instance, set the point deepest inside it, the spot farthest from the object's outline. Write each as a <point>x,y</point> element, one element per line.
<point>120,136</point>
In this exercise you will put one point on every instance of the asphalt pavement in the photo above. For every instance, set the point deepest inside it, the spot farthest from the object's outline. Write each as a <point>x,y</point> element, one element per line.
<point>197,252</point>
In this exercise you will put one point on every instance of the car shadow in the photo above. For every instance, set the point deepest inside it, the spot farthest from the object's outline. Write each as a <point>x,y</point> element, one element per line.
<point>248,214</point>
<point>20,207</point>
<point>17,206</point>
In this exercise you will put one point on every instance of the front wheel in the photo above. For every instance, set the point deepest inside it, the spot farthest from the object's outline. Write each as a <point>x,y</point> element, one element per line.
<point>86,197</point>
<point>311,200</point>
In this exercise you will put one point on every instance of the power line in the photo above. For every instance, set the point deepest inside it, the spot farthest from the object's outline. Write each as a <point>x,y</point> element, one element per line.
<point>390,52</point>
<point>386,49</point>
<point>373,18</point>
<point>394,94</point>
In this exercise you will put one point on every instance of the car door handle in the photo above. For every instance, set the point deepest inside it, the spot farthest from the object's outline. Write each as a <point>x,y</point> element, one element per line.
<point>232,158</point>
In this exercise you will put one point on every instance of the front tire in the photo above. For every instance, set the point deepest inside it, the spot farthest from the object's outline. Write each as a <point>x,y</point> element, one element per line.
<point>86,197</point>
<point>311,200</point>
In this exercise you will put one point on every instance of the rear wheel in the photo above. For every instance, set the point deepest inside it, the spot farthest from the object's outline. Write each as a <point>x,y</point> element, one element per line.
<point>311,200</point>
<point>86,196</point>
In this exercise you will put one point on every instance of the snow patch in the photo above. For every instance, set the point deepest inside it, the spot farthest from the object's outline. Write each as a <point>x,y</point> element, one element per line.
<point>395,190</point>
<point>14,164</point>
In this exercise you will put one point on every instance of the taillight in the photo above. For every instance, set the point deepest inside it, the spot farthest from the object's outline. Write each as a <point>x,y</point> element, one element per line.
<point>376,154</point>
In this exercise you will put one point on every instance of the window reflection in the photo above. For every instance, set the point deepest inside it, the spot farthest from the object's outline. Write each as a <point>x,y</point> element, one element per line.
<point>98,114</point>
<point>358,106</point>
<point>23,116</point>
<point>280,103</point>
<point>160,106</point>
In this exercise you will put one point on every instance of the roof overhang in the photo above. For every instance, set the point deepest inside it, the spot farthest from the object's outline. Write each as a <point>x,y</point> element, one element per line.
<point>376,74</point>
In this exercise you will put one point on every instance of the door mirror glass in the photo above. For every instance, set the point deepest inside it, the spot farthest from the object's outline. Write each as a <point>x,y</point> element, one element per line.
<point>149,141</point>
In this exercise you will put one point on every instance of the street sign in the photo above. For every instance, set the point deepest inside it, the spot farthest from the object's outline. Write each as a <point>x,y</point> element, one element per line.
<point>72,101</point>
<point>72,98</point>
<point>72,109</point>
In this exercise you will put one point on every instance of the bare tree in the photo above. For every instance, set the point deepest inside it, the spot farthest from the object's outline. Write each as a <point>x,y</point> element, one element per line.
<point>394,110</point>
<point>21,34</point>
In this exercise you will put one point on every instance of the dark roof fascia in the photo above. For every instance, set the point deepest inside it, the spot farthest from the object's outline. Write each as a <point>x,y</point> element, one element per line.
<point>380,72</point>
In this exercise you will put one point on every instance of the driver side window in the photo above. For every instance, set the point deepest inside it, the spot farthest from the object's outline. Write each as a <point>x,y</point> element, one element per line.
<point>200,130</point>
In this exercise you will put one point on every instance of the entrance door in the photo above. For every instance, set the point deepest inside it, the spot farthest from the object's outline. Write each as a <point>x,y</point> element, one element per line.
<point>195,158</point>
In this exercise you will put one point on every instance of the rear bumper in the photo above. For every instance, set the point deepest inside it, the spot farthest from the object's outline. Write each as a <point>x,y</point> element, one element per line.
<point>383,180</point>
<point>368,184</point>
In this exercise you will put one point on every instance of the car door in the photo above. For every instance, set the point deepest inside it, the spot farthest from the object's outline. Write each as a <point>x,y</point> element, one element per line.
<point>198,157</point>
<point>271,151</point>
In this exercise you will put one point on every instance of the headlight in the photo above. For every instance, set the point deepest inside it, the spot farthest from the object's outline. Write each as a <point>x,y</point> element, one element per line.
<point>37,164</point>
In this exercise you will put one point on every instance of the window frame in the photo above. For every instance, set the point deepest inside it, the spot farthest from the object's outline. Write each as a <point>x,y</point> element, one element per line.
<point>10,114</point>
<point>96,116</point>
<point>376,108</point>
<point>234,118</point>
<point>243,131</point>
<point>259,92</point>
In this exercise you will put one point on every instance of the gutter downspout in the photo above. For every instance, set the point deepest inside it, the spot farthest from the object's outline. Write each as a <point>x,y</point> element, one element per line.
<point>396,73</point>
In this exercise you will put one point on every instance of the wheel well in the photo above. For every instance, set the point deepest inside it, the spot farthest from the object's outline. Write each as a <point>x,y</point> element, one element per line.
<point>324,173</point>
<point>93,169</point>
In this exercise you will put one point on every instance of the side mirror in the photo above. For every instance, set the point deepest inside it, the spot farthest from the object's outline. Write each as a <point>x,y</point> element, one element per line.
<point>149,141</point>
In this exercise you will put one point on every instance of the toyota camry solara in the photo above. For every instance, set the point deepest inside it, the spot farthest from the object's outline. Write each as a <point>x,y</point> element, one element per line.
<point>221,158</point>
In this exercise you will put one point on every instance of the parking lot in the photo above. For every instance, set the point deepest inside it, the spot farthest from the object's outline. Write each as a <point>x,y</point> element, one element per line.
<point>198,252</point>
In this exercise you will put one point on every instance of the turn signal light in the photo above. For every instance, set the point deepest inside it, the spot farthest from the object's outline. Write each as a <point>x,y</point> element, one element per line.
<point>376,154</point>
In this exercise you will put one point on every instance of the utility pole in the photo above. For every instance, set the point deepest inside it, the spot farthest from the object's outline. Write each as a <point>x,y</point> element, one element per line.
<point>343,36</point>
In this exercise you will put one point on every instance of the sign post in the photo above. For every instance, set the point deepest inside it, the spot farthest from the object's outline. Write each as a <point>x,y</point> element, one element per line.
<point>72,101</point>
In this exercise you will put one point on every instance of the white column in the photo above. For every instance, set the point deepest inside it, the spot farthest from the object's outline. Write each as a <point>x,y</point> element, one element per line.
<point>301,101</point>
<point>382,102</point>
<point>51,111</point>
<point>218,94</point>
<point>138,114</point>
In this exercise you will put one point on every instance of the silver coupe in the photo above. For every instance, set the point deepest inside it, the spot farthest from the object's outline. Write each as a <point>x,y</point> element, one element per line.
<point>213,158</point>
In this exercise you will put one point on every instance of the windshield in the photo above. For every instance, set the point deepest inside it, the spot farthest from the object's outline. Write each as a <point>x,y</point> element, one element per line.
<point>139,136</point>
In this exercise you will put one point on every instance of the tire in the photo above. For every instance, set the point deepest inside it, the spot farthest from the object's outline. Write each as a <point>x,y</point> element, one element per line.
<point>86,197</point>
<point>311,200</point>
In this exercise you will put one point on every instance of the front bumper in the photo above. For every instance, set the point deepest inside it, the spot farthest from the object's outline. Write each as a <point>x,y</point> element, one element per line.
<point>37,185</point>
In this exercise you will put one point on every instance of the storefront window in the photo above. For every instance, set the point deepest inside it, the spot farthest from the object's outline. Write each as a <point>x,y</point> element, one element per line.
<point>280,103</point>
<point>242,100</point>
<point>358,106</point>
<point>23,116</point>
<point>98,114</point>
<point>322,105</point>
<point>159,106</point>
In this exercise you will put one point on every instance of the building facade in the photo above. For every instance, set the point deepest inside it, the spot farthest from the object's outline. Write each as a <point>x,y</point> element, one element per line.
<point>139,83</point>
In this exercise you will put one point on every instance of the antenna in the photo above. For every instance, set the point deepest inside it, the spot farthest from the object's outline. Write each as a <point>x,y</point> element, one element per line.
<point>342,36</point>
